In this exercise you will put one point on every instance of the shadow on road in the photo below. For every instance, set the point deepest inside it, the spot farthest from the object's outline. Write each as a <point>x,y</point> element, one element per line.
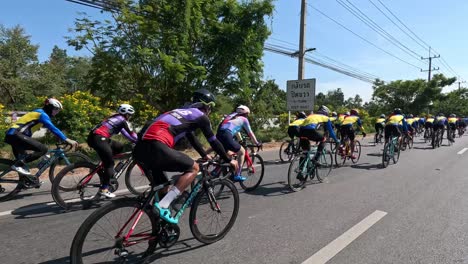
<point>271,191</point>
<point>274,162</point>
<point>38,210</point>
<point>424,148</point>
<point>379,154</point>
<point>181,246</point>
<point>367,166</point>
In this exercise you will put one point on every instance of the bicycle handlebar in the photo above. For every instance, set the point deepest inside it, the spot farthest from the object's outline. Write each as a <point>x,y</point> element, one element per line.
<point>64,146</point>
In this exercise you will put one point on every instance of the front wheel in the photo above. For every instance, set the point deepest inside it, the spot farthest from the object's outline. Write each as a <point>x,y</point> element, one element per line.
<point>9,180</point>
<point>254,173</point>
<point>356,152</point>
<point>60,163</point>
<point>136,180</point>
<point>286,151</point>
<point>325,165</point>
<point>212,216</point>
<point>98,239</point>
<point>76,185</point>
<point>386,155</point>
<point>297,175</point>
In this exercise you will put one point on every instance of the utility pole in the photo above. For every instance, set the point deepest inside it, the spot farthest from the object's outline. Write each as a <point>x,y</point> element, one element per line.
<point>300,72</point>
<point>459,87</point>
<point>430,64</point>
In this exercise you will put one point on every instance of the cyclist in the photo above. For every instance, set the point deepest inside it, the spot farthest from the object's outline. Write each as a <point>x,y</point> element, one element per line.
<point>294,127</point>
<point>461,125</point>
<point>100,140</point>
<point>309,131</point>
<point>156,141</point>
<point>395,124</point>
<point>429,126</point>
<point>229,127</point>
<point>347,127</point>
<point>379,125</point>
<point>338,122</point>
<point>410,122</point>
<point>333,117</point>
<point>416,123</point>
<point>19,134</point>
<point>452,121</point>
<point>440,123</point>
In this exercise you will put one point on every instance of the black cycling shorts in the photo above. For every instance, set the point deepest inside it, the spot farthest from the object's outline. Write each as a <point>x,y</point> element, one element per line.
<point>378,127</point>
<point>227,139</point>
<point>392,131</point>
<point>428,125</point>
<point>293,131</point>
<point>159,157</point>
<point>348,131</point>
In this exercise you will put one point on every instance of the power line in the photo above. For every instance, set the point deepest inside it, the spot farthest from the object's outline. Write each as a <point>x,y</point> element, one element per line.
<point>362,38</point>
<point>356,11</point>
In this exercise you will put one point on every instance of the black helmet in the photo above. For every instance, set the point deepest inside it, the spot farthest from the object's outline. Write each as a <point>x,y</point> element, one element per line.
<point>204,97</point>
<point>301,115</point>
<point>410,116</point>
<point>323,110</point>
<point>397,111</point>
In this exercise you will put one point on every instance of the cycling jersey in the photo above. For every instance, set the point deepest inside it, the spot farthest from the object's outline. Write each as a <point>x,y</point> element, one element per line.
<point>397,120</point>
<point>352,119</point>
<point>171,126</point>
<point>410,121</point>
<point>430,120</point>
<point>33,121</point>
<point>441,120</point>
<point>297,122</point>
<point>380,121</point>
<point>333,118</point>
<point>340,119</point>
<point>313,121</point>
<point>452,120</point>
<point>113,125</point>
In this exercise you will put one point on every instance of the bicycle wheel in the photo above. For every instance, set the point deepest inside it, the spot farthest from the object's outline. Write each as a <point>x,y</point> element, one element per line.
<point>410,143</point>
<point>356,151</point>
<point>98,239</point>
<point>296,177</point>
<point>76,186</point>
<point>73,157</point>
<point>136,180</point>
<point>9,180</point>
<point>253,173</point>
<point>386,155</point>
<point>286,152</point>
<point>340,158</point>
<point>211,217</point>
<point>326,164</point>
<point>396,154</point>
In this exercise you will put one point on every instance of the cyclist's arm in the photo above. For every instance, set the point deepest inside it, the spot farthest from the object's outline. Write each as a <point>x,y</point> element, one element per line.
<point>331,131</point>
<point>249,131</point>
<point>45,120</point>
<point>196,144</point>
<point>359,123</point>
<point>128,133</point>
<point>205,126</point>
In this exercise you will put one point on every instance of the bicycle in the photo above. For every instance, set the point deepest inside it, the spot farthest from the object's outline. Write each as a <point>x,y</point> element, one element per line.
<point>128,230</point>
<point>378,137</point>
<point>288,149</point>
<point>389,152</point>
<point>76,185</point>
<point>428,134</point>
<point>407,141</point>
<point>302,167</point>
<point>436,138</point>
<point>345,152</point>
<point>12,182</point>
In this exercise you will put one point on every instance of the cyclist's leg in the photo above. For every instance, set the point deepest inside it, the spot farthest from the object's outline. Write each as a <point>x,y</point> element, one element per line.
<point>316,136</point>
<point>228,142</point>
<point>103,148</point>
<point>388,132</point>
<point>20,143</point>
<point>352,136</point>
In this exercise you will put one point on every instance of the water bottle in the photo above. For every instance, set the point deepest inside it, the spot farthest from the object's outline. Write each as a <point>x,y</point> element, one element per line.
<point>45,160</point>
<point>119,166</point>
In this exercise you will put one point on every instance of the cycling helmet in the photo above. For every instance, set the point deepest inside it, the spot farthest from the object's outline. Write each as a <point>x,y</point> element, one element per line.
<point>382,116</point>
<point>347,113</point>
<point>243,110</point>
<point>354,112</point>
<point>453,115</point>
<point>203,97</point>
<point>301,115</point>
<point>323,110</point>
<point>334,114</point>
<point>410,116</point>
<point>54,103</point>
<point>126,109</point>
<point>397,111</point>
<point>440,114</point>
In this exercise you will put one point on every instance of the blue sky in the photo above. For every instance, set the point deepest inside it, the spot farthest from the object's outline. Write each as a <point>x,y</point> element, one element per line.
<point>441,24</point>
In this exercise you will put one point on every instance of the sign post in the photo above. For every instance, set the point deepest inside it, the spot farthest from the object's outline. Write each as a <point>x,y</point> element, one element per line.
<point>300,95</point>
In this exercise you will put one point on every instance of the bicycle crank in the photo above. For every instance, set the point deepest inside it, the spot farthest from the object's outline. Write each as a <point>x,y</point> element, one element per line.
<point>169,235</point>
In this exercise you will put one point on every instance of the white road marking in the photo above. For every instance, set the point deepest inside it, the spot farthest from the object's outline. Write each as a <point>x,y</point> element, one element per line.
<point>4,213</point>
<point>334,247</point>
<point>462,151</point>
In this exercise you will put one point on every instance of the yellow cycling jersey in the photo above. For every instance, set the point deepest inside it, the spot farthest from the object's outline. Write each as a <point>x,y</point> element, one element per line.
<point>395,120</point>
<point>410,121</point>
<point>340,119</point>
<point>333,118</point>
<point>430,120</point>
<point>29,121</point>
<point>452,120</point>
<point>380,121</point>
<point>416,119</point>
<point>297,122</point>
<point>315,119</point>
<point>350,120</point>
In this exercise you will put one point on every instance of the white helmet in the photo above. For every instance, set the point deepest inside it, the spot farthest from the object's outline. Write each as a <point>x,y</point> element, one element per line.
<point>242,109</point>
<point>125,109</point>
<point>54,102</point>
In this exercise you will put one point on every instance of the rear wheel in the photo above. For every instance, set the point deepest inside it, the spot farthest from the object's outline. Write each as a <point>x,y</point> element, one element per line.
<point>356,151</point>
<point>386,155</point>
<point>98,240</point>
<point>297,177</point>
<point>253,173</point>
<point>326,164</point>
<point>396,153</point>
<point>73,157</point>
<point>76,186</point>
<point>136,180</point>
<point>9,180</point>
<point>212,216</point>
<point>286,152</point>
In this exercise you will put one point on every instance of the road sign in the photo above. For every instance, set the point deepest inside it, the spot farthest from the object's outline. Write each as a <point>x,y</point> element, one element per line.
<point>300,95</point>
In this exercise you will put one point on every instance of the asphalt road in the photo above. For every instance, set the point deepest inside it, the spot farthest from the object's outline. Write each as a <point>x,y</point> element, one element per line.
<point>411,212</point>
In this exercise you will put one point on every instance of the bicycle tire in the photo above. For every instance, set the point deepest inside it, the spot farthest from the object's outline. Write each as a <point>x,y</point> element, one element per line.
<point>396,154</point>
<point>73,157</point>
<point>293,174</point>
<point>326,164</point>
<point>386,155</point>
<point>410,143</point>
<point>8,191</point>
<point>285,152</point>
<point>76,250</point>
<point>207,193</point>
<point>253,181</point>
<point>340,158</point>
<point>140,177</point>
<point>357,149</point>
<point>78,172</point>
